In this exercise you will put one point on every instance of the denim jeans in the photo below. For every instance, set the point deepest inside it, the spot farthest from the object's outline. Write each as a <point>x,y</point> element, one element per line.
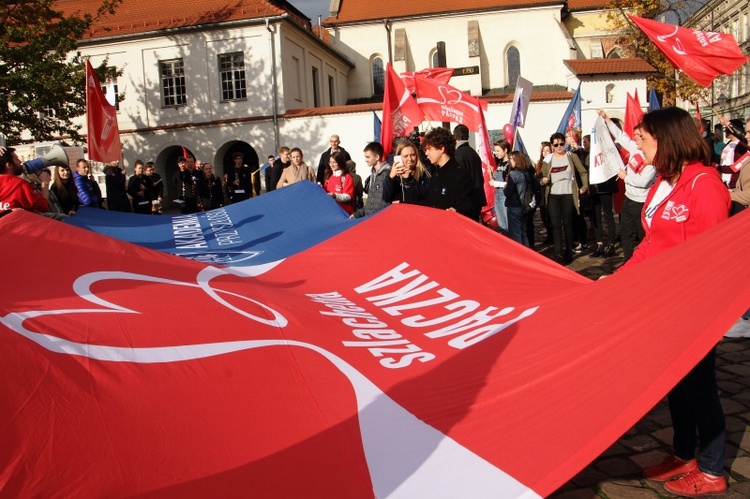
<point>500,211</point>
<point>517,225</point>
<point>695,407</point>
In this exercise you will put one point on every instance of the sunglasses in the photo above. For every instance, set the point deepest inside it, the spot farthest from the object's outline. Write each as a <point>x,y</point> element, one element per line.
<point>558,144</point>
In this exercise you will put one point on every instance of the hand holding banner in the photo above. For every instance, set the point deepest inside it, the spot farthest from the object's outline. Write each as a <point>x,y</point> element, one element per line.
<point>604,159</point>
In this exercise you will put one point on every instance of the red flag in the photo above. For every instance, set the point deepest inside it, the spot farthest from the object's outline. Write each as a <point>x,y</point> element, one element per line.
<point>401,113</point>
<point>633,114</point>
<point>442,102</point>
<point>101,122</point>
<point>484,147</point>
<point>442,75</point>
<point>702,55</point>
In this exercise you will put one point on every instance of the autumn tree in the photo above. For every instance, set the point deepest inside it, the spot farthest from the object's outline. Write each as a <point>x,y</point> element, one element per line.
<point>667,81</point>
<point>42,77</point>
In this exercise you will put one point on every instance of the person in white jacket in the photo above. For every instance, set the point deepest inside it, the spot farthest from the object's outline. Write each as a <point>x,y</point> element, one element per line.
<point>638,178</point>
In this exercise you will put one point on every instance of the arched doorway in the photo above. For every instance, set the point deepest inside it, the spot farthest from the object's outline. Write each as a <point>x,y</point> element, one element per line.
<point>166,166</point>
<point>225,152</point>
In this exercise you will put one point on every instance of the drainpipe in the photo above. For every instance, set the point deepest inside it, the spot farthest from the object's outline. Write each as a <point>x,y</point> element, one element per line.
<point>274,84</point>
<point>387,25</point>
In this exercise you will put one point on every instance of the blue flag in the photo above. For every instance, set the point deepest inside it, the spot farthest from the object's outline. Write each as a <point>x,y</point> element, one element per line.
<point>376,126</point>
<point>572,116</point>
<point>653,100</point>
<point>518,145</point>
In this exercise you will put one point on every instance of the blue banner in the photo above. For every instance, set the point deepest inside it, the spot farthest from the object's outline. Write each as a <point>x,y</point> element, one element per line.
<point>256,231</point>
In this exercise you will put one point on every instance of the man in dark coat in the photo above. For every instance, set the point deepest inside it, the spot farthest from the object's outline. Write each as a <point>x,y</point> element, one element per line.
<point>472,165</point>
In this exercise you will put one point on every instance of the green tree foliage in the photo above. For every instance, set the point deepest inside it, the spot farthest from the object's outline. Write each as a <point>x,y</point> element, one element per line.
<point>40,69</point>
<point>667,81</point>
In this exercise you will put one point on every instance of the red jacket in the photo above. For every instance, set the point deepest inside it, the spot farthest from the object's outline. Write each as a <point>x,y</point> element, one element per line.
<point>698,201</point>
<point>15,192</point>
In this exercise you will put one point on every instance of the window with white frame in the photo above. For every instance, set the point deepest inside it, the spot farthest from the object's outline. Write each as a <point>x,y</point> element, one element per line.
<point>513,65</point>
<point>378,76</point>
<point>232,74</point>
<point>173,88</point>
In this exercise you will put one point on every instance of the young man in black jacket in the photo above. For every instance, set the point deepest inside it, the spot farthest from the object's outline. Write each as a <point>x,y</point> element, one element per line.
<point>450,188</point>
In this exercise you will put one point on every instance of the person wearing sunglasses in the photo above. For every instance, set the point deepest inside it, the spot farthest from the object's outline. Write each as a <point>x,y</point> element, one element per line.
<point>561,190</point>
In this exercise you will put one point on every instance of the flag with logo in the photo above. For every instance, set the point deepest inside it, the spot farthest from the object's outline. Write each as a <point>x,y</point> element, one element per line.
<point>442,102</point>
<point>103,134</point>
<point>702,55</point>
<point>440,75</point>
<point>133,372</point>
<point>400,111</point>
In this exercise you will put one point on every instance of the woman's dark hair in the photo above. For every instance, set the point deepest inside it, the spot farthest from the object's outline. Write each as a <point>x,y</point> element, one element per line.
<point>64,190</point>
<point>558,136</point>
<point>678,141</point>
<point>340,160</point>
<point>521,162</point>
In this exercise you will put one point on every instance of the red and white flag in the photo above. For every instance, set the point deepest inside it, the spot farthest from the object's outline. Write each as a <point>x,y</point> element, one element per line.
<point>702,55</point>
<point>101,122</point>
<point>442,75</point>
<point>401,113</point>
<point>442,102</point>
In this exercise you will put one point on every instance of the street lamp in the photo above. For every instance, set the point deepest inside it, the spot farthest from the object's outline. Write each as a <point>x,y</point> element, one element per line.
<point>722,101</point>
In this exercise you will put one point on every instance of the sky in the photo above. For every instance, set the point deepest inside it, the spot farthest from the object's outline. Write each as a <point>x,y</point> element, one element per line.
<point>312,8</point>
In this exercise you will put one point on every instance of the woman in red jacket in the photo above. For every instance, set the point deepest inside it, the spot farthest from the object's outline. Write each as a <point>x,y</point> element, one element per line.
<point>687,198</point>
<point>338,182</point>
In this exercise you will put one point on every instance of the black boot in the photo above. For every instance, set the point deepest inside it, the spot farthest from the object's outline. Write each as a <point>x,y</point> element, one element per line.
<point>609,250</point>
<point>598,251</point>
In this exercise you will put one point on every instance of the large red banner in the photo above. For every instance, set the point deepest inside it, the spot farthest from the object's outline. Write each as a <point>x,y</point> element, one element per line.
<point>132,372</point>
<point>442,102</point>
<point>702,55</point>
<point>103,133</point>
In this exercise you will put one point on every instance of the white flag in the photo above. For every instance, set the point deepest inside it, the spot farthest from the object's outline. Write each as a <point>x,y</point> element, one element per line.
<point>604,159</point>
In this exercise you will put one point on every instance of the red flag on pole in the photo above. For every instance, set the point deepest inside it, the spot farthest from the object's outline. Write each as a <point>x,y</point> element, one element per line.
<point>484,148</point>
<point>442,102</point>
<point>401,113</point>
<point>633,113</point>
<point>702,55</point>
<point>698,115</point>
<point>101,122</point>
<point>442,75</point>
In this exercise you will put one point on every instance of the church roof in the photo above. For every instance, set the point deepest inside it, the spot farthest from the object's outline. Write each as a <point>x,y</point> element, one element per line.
<point>609,66</point>
<point>353,11</point>
<point>134,17</point>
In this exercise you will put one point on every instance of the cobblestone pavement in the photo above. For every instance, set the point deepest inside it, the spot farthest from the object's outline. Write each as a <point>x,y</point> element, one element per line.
<point>616,474</point>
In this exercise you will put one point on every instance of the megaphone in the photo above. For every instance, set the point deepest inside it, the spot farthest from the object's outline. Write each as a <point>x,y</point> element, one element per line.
<point>55,157</point>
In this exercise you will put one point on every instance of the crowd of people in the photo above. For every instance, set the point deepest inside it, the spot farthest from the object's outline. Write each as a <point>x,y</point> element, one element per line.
<point>438,169</point>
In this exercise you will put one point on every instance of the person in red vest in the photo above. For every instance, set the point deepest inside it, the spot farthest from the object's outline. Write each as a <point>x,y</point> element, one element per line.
<point>687,198</point>
<point>16,192</point>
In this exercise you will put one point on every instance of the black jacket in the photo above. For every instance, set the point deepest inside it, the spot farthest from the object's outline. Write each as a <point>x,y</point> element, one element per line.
<point>472,163</point>
<point>450,187</point>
